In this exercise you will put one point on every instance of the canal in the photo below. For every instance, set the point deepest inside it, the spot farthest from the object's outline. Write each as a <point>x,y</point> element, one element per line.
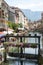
<point>20,62</point>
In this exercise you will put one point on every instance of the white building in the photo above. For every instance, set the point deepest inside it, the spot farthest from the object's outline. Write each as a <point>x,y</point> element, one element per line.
<point>4,10</point>
<point>20,17</point>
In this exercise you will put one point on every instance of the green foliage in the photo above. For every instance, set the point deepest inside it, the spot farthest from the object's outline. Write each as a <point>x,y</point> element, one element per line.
<point>14,26</point>
<point>20,25</point>
<point>10,24</point>
<point>13,49</point>
<point>34,45</point>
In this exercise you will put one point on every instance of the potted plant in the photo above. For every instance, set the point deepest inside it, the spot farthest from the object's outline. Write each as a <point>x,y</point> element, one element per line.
<point>33,45</point>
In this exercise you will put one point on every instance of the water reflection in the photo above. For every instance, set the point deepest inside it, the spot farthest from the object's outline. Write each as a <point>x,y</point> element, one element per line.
<point>19,62</point>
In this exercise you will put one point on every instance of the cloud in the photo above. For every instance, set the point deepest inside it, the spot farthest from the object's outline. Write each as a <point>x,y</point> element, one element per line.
<point>34,5</point>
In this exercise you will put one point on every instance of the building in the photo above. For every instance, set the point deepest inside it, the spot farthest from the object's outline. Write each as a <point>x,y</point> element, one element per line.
<point>3,24</point>
<point>11,14</point>
<point>42,16</point>
<point>4,10</point>
<point>16,14</point>
<point>20,17</point>
<point>3,14</point>
<point>26,21</point>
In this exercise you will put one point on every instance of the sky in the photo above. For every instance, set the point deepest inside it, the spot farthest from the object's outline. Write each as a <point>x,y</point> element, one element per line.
<point>34,5</point>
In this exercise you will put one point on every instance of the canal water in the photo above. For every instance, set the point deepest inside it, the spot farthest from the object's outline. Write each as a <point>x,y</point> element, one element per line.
<point>32,50</point>
<point>13,62</point>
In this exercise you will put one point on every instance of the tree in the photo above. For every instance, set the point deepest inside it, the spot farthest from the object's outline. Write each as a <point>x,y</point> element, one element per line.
<point>14,26</point>
<point>10,24</point>
<point>20,25</point>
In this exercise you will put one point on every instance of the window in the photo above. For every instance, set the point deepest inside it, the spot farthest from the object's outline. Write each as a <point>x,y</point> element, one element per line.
<point>2,13</point>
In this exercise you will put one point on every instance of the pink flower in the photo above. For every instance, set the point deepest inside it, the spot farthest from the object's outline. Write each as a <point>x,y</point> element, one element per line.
<point>21,44</point>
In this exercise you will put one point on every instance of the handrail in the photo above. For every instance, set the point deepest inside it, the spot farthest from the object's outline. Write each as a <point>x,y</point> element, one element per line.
<point>22,36</point>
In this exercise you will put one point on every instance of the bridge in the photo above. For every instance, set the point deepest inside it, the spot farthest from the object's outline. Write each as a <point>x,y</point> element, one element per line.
<point>21,46</point>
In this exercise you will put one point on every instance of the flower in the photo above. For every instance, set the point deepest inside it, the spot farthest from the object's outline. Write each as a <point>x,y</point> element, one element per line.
<point>21,44</point>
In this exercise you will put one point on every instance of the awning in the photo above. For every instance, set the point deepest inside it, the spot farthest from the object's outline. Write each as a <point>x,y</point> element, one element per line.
<point>2,34</point>
<point>7,32</point>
